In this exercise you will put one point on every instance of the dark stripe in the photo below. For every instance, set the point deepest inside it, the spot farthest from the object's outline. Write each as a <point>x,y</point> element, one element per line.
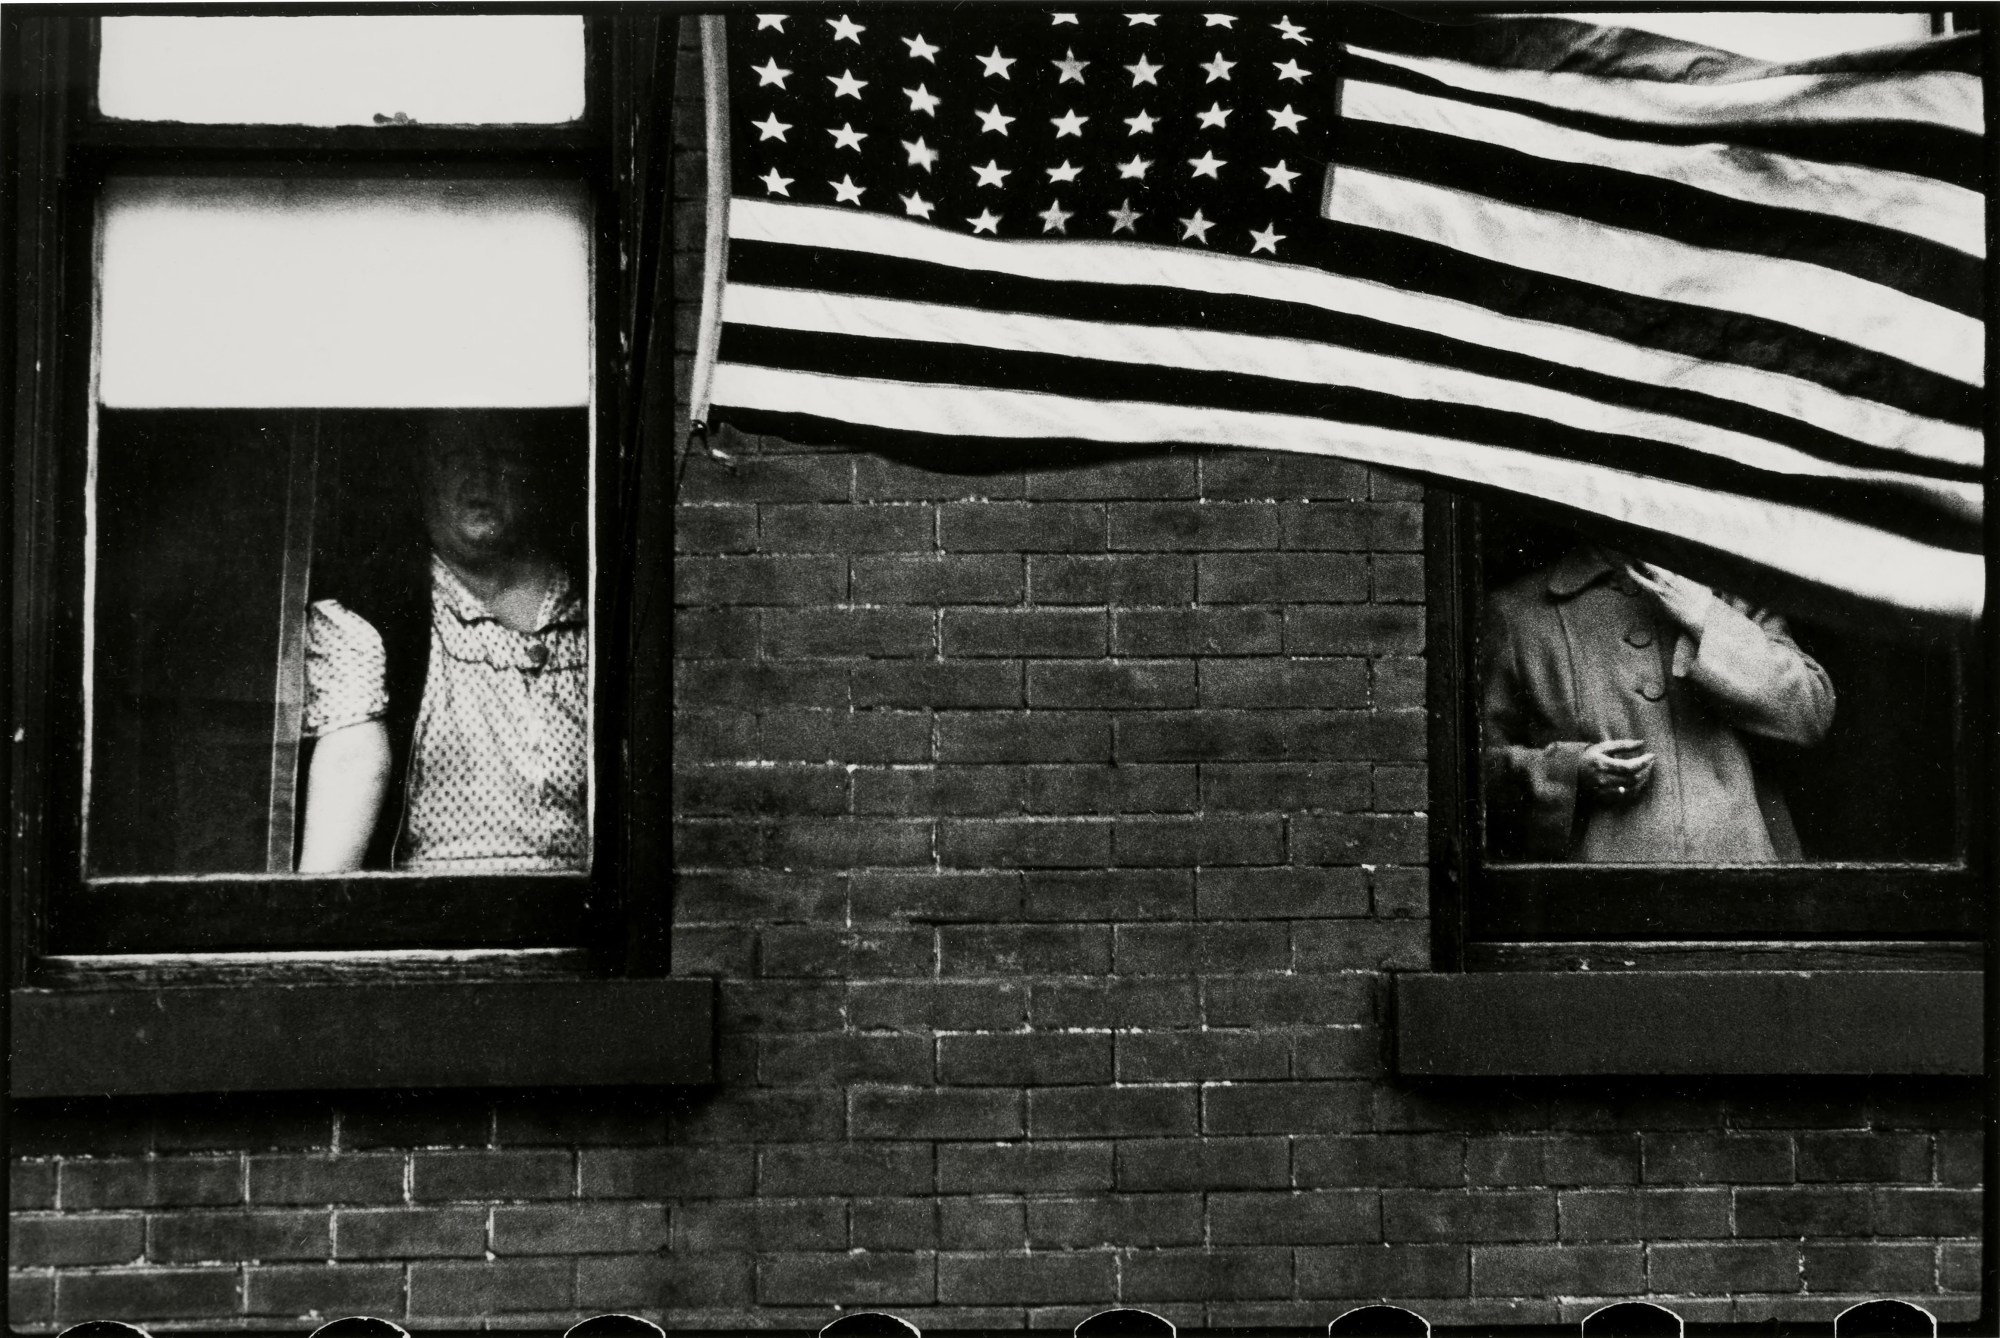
<point>869,275</point>
<point>1924,269</point>
<point>1556,44</point>
<point>1095,379</point>
<point>1931,151</point>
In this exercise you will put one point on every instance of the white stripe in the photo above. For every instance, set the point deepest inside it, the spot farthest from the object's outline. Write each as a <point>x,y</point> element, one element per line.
<point>1193,271</point>
<point>1809,297</point>
<point>1300,361</point>
<point>1864,561</point>
<point>1937,97</point>
<point>1937,210</point>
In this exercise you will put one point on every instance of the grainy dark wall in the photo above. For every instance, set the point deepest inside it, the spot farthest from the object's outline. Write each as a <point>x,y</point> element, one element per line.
<point>1052,834</point>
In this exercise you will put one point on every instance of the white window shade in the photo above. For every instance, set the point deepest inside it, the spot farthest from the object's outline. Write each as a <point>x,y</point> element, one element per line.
<point>494,69</point>
<point>261,293</point>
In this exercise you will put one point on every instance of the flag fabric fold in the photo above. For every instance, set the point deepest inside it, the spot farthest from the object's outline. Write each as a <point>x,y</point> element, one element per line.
<point>1678,290</point>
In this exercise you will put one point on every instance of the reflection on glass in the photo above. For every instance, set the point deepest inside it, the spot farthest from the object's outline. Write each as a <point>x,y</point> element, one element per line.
<point>333,640</point>
<point>329,70</point>
<point>1631,714</point>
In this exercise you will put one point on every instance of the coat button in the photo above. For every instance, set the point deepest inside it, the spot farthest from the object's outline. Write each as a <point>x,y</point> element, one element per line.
<point>1652,692</point>
<point>1639,636</point>
<point>538,655</point>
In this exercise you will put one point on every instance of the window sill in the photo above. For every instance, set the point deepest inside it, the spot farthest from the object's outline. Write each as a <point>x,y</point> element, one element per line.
<point>322,1037</point>
<point>1537,1023</point>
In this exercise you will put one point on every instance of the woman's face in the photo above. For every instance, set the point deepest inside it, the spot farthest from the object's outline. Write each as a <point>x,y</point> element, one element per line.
<point>477,496</point>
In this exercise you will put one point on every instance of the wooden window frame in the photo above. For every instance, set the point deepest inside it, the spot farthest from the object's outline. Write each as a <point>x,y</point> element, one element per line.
<point>275,963</point>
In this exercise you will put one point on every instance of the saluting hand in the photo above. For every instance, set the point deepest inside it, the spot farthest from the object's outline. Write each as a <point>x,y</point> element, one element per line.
<point>1686,602</point>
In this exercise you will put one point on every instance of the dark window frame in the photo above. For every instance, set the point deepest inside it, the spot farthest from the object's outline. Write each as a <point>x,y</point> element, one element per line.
<point>1540,916</point>
<point>614,919</point>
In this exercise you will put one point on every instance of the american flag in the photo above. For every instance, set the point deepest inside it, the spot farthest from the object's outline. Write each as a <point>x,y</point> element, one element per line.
<point>1664,286</point>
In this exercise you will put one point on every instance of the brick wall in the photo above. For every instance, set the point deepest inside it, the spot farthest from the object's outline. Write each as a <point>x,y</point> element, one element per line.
<point>1052,835</point>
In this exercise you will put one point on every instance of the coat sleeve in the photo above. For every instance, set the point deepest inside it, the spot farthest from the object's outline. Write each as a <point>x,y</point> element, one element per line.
<point>1530,781</point>
<point>1758,678</point>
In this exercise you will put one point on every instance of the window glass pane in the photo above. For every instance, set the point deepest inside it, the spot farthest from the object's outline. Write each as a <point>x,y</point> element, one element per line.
<point>1612,733</point>
<point>511,69</point>
<point>248,293</point>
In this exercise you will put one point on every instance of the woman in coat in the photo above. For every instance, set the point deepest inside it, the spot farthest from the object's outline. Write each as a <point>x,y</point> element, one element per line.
<point>1617,700</point>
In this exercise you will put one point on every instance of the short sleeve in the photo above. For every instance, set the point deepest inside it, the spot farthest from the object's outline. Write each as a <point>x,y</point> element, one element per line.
<point>346,669</point>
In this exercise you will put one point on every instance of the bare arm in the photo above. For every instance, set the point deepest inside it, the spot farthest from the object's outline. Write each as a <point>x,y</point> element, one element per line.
<point>345,786</point>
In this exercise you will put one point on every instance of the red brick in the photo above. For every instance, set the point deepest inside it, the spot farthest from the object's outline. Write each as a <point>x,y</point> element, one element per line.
<point>791,478</point>
<point>1559,1270</point>
<point>1204,1274</point>
<point>1398,683</point>
<point>1111,789</point>
<point>775,1007</point>
<point>1228,631</point>
<point>192,1238</point>
<point>997,578</point>
<point>1279,787</point>
<point>1873,1268</point>
<point>1608,1160</point>
<point>1379,1159</point>
<point>986,1224</point>
<point>1203,1163</point>
<point>1395,1272</point>
<point>715,843</point>
<point>1925,1212</point>
<point>715,529</point>
<point>1359,629</point>
<point>1281,894</point>
<point>118,1182</point>
<point>1025,633</point>
<point>1023,736</point>
<point>1183,841</point>
<point>1874,1155</point>
<point>846,954</point>
<point>1340,1052</point>
<point>1115,685</point>
<point>941,1113</point>
<point>1202,1056</point>
<point>1649,1214</point>
<point>846,1168</point>
<point>892,1224</point>
<point>1192,526</point>
<point>1206,736</point>
<point>716,634</point>
<point>409,1233</point>
<point>1108,894</point>
<point>844,843</point>
<point>760,579</point>
<point>1044,527</point>
<point>32,1184</point>
<point>977,791</point>
<point>870,528</point>
<point>883,633</point>
<point>1401,893</point>
<point>1217,947</point>
<point>1294,1218</point>
<point>1468,1215</point>
<point>31,1299</point>
<point>1381,526</point>
<point>647,1282</point>
<point>1396,578</point>
<point>35,1240</point>
<point>1958,1268</point>
<point>1292,1107</point>
<point>492,1175</point>
<point>761,791</point>
<point>1126,1220</point>
<point>760,1226</point>
<point>320,1291</point>
<point>863,1278</point>
<point>714,736</point>
<point>767,896</point>
<point>1125,580</point>
<point>1803,1212</point>
<point>1400,789</point>
<point>1104,1111</point>
<point>934,896</point>
<point>1137,476</point>
<point>1116,1003</point>
<point>480,1290</point>
<point>148,1294</point>
<point>1360,838</point>
<point>1713,1269</point>
<point>937,1005</point>
<point>1960,1158</point>
<point>1714,1158</point>
<point>1281,578</point>
<point>937,684</point>
<point>1291,1000</point>
<point>1024,1059</point>
<point>1026,950</point>
<point>1363,945</point>
<point>843,1057</point>
<point>579,1228</point>
<point>973,843</point>
<point>683,1172</point>
<point>1265,475</point>
<point>1023,1168</point>
<point>1025,1279</point>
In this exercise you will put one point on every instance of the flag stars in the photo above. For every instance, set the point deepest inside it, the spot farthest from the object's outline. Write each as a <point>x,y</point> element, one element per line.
<point>777,185</point>
<point>846,192</point>
<point>921,154</point>
<point>1057,20</point>
<point>846,85</point>
<point>920,49</point>
<point>1292,31</point>
<point>1142,20</point>
<point>1292,70</point>
<point>1067,172</point>
<point>771,128</point>
<point>996,64</point>
<point>993,174</point>
<point>988,221</point>
<point>1267,240</point>
<point>1054,219</point>
<point>1219,20</point>
<point>1217,68</point>
<point>1279,177</point>
<point>847,137</point>
<point>768,73</point>
<point>916,206</point>
<point>846,30</point>
<point>994,120</point>
<point>1145,72</point>
<point>1124,218</point>
<point>1071,67</point>
<point>922,99</point>
<point>1215,118</point>
<point>1142,124</point>
<point>1208,165</point>
<point>1286,119</point>
<point>1069,123</point>
<point>771,21</point>
<point>1196,228</point>
<point>1135,170</point>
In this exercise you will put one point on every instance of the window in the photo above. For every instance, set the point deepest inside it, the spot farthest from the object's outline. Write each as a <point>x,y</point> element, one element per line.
<point>255,309</point>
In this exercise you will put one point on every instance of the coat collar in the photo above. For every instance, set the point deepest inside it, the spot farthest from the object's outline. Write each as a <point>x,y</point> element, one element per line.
<point>1581,567</point>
